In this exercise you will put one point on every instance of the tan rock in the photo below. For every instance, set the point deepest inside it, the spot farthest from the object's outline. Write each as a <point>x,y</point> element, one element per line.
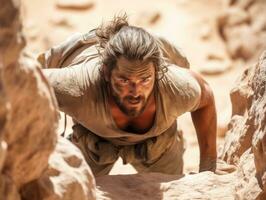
<point>215,67</point>
<point>68,177</point>
<point>258,16</point>
<point>3,149</point>
<point>248,131</point>
<point>75,4</point>
<point>8,190</point>
<point>61,20</point>
<point>244,4</point>
<point>30,131</point>
<point>247,186</point>
<point>158,186</point>
<point>241,26</point>
<point>3,105</point>
<point>205,31</point>
<point>258,119</point>
<point>148,18</point>
<point>11,39</point>
<point>233,16</point>
<point>242,41</point>
<point>240,93</point>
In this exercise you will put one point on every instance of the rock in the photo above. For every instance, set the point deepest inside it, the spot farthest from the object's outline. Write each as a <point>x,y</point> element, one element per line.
<point>205,31</point>
<point>31,130</point>
<point>154,18</point>
<point>11,39</point>
<point>258,119</point>
<point>242,26</point>
<point>242,42</point>
<point>3,105</point>
<point>242,128</point>
<point>247,186</point>
<point>68,177</point>
<point>156,186</point>
<point>215,65</point>
<point>61,20</point>
<point>8,190</point>
<point>3,148</point>
<point>244,4</point>
<point>238,139</point>
<point>233,16</point>
<point>258,16</point>
<point>240,93</point>
<point>248,131</point>
<point>75,4</point>
<point>148,18</point>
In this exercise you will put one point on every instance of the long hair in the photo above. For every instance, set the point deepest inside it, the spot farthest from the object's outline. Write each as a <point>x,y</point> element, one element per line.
<point>118,38</point>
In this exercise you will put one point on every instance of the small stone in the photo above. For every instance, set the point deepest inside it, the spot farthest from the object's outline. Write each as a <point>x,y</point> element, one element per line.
<point>74,4</point>
<point>154,18</point>
<point>148,18</point>
<point>215,65</point>
<point>205,32</point>
<point>60,20</point>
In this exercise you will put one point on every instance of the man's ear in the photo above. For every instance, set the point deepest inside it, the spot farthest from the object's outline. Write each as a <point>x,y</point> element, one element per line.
<point>106,73</point>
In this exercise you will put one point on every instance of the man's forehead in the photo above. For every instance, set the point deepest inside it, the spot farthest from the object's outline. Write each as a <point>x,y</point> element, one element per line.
<point>134,67</point>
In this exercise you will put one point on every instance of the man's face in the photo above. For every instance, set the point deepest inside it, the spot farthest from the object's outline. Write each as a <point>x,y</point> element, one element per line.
<point>132,83</point>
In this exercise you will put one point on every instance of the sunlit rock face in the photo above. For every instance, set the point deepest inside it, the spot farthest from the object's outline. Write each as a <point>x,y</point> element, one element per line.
<point>242,25</point>
<point>67,177</point>
<point>28,122</point>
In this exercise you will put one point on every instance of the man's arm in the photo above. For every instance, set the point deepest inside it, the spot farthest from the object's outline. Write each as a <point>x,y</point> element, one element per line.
<point>68,85</point>
<point>205,121</point>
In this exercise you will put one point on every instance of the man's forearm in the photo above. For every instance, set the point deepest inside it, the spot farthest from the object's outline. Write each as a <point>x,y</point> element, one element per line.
<point>205,123</point>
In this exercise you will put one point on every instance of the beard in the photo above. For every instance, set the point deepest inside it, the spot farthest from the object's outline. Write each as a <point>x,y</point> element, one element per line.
<point>125,102</point>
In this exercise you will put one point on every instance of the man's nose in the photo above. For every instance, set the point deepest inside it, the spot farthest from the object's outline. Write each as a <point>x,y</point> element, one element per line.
<point>134,89</point>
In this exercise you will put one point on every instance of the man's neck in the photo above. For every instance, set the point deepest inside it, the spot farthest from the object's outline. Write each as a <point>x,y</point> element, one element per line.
<point>139,124</point>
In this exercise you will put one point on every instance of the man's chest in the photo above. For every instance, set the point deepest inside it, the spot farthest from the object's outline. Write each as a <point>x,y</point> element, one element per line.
<point>139,125</point>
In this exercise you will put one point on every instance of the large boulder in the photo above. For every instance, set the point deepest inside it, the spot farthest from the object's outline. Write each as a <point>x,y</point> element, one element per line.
<point>248,103</point>
<point>28,119</point>
<point>30,131</point>
<point>257,114</point>
<point>67,177</point>
<point>241,185</point>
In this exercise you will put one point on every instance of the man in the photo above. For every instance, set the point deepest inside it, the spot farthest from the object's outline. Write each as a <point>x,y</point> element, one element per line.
<point>124,90</point>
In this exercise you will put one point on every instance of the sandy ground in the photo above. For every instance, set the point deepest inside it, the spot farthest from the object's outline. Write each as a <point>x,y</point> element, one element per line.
<point>191,25</point>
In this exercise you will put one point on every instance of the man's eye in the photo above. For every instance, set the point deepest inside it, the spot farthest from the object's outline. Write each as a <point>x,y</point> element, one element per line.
<point>123,80</point>
<point>146,80</point>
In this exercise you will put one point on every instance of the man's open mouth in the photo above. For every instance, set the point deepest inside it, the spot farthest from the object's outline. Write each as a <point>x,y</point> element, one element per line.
<point>133,100</point>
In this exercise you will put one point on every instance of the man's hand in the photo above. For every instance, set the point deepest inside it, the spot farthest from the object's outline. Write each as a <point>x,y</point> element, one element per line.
<point>223,168</point>
<point>218,166</point>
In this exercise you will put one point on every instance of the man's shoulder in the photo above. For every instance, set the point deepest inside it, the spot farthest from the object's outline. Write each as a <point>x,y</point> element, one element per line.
<point>72,50</point>
<point>179,76</point>
<point>179,89</point>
